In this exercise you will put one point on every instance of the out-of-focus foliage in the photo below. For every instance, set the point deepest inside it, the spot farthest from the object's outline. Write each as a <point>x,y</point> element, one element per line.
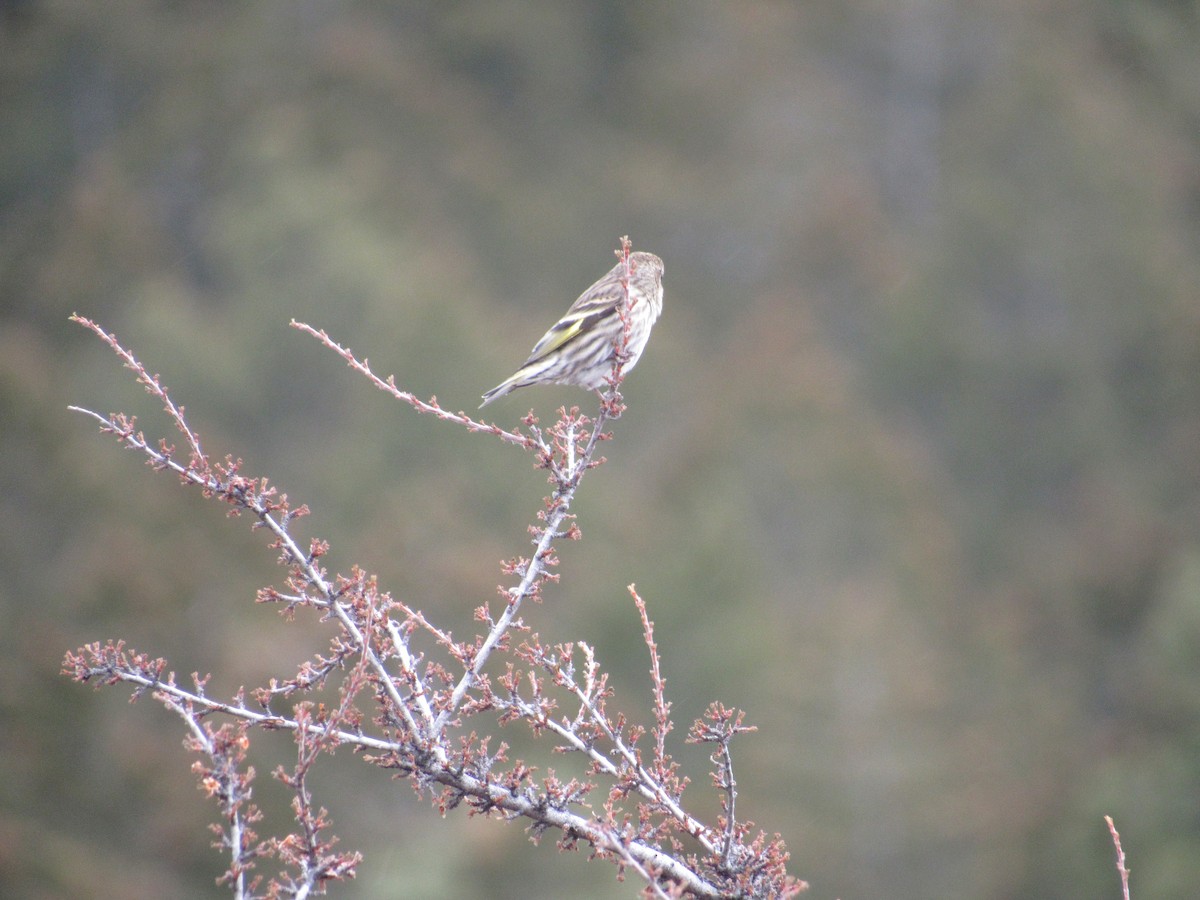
<point>910,470</point>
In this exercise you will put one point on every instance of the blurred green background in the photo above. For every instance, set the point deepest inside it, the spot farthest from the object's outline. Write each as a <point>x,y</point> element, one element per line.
<point>911,469</point>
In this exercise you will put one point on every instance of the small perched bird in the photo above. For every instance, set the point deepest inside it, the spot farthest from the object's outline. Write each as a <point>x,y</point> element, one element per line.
<point>579,348</point>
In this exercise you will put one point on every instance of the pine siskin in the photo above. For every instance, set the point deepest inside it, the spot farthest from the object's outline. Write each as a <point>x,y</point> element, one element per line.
<point>579,348</point>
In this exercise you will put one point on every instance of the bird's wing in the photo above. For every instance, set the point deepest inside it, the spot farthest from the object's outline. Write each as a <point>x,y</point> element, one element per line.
<point>567,328</point>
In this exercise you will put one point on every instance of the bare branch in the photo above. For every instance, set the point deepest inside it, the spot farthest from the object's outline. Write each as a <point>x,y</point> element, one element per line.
<point>425,687</point>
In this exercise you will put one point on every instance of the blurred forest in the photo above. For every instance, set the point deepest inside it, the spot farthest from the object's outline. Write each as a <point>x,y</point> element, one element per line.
<point>910,471</point>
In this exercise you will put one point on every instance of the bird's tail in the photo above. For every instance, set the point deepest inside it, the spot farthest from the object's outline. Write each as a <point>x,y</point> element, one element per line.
<point>499,390</point>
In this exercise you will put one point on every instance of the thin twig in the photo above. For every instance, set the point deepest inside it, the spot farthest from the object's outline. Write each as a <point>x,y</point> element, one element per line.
<point>662,709</point>
<point>1116,839</point>
<point>429,406</point>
